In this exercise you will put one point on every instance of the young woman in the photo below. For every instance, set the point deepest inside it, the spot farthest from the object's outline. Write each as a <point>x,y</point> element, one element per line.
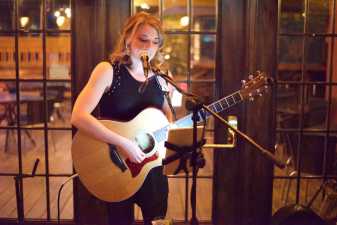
<point>115,86</point>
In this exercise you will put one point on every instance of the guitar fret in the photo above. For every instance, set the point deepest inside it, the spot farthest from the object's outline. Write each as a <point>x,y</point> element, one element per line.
<point>232,96</point>
<point>237,97</point>
<point>213,108</point>
<point>230,101</point>
<point>222,108</point>
<point>224,104</point>
<point>217,107</point>
<point>227,103</point>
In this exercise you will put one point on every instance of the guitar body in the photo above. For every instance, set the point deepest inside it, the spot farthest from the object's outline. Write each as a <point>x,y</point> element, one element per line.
<point>99,174</point>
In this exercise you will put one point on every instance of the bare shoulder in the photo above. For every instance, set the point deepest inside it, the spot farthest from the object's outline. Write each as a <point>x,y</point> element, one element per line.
<point>104,68</point>
<point>102,74</point>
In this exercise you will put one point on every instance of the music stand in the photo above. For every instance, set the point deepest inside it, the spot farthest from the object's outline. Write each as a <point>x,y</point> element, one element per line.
<point>179,143</point>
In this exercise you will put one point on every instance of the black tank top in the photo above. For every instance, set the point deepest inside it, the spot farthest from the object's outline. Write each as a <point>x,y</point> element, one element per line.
<point>122,102</point>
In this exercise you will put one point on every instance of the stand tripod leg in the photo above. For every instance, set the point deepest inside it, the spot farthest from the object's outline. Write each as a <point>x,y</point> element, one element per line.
<point>18,188</point>
<point>194,219</point>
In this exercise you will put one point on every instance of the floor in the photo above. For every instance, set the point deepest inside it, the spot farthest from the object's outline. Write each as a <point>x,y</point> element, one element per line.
<point>59,160</point>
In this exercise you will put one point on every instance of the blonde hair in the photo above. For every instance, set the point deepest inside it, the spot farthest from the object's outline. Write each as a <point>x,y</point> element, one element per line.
<point>130,27</point>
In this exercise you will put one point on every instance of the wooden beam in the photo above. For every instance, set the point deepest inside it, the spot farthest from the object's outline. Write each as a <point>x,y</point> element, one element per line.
<point>242,178</point>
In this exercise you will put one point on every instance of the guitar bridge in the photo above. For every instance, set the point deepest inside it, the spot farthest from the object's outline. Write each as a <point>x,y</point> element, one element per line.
<point>116,158</point>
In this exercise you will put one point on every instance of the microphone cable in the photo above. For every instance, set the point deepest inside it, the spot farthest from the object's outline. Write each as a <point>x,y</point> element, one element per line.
<point>59,195</point>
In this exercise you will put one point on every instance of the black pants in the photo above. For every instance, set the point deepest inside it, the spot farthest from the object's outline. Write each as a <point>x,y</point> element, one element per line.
<point>151,198</point>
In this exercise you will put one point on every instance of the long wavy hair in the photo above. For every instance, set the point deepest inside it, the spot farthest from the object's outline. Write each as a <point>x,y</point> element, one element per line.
<point>120,54</point>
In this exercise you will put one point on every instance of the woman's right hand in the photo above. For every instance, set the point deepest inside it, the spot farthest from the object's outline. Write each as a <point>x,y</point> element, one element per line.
<point>132,151</point>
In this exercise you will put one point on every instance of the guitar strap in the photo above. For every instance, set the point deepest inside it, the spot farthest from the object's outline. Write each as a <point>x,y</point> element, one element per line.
<point>165,89</point>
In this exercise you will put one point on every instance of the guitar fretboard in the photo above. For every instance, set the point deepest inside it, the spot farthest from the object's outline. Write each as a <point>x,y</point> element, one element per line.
<point>224,103</point>
<point>218,106</point>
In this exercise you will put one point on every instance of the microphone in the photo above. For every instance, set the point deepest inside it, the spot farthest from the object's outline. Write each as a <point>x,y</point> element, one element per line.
<point>144,58</point>
<point>145,62</point>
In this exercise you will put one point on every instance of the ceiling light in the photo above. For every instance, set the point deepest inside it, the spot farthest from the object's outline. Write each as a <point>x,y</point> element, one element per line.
<point>57,13</point>
<point>184,21</point>
<point>68,12</point>
<point>144,6</point>
<point>24,21</point>
<point>60,21</point>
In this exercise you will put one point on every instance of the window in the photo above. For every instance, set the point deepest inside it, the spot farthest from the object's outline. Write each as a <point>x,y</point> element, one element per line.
<point>33,33</point>
<point>306,100</point>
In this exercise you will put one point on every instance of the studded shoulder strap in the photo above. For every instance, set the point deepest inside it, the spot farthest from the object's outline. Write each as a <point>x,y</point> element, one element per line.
<point>116,78</point>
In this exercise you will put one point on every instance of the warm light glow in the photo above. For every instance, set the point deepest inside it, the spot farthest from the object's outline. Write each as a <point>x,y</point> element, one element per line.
<point>144,6</point>
<point>24,21</point>
<point>167,57</point>
<point>57,13</point>
<point>60,21</point>
<point>184,21</point>
<point>168,49</point>
<point>233,121</point>
<point>196,43</point>
<point>68,12</point>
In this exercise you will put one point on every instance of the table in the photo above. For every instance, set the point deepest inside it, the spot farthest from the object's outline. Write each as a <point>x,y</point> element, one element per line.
<point>9,102</point>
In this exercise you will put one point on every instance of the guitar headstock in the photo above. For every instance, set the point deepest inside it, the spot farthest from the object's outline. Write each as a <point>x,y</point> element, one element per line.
<point>256,85</point>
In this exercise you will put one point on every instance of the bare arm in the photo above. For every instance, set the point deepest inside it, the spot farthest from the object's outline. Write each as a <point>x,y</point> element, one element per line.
<point>81,117</point>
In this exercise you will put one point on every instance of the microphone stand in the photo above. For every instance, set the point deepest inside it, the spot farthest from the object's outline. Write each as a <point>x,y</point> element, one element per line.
<point>196,160</point>
<point>196,105</point>
<point>18,191</point>
<point>195,165</point>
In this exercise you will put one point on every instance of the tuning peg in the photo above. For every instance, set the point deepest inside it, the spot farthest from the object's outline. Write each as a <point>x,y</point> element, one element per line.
<point>243,81</point>
<point>251,98</point>
<point>259,92</point>
<point>251,77</point>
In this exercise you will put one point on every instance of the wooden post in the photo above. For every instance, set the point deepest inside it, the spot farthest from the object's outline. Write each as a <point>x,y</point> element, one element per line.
<point>332,64</point>
<point>242,188</point>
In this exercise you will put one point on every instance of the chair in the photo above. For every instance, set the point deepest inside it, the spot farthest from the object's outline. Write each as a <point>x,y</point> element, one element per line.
<point>57,93</point>
<point>312,144</point>
<point>311,154</point>
<point>34,115</point>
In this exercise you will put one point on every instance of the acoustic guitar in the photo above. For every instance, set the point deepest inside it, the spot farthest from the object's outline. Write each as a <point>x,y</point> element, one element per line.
<point>110,176</point>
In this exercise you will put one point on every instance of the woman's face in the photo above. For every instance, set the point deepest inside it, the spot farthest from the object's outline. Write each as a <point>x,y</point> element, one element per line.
<point>147,39</point>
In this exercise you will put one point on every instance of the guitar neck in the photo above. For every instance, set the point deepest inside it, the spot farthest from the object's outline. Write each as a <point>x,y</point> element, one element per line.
<point>218,106</point>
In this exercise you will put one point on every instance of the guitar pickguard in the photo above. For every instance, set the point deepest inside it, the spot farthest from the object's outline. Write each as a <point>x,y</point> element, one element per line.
<point>135,168</point>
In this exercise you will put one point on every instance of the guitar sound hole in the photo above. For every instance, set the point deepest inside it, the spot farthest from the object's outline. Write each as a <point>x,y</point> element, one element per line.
<point>145,142</point>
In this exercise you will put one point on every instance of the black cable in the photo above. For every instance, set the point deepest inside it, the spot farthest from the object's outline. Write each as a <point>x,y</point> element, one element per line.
<point>59,194</point>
